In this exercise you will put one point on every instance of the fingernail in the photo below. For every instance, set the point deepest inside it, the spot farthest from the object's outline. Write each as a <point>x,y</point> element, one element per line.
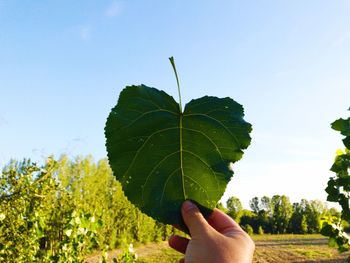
<point>188,205</point>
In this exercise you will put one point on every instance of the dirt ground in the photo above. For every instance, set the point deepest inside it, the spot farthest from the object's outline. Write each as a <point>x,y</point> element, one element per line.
<point>269,249</point>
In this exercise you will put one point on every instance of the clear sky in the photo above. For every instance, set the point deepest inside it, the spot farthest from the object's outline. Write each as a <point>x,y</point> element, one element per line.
<point>63,64</point>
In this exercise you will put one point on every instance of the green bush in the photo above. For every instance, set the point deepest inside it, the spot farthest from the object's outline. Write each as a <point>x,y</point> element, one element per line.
<point>248,228</point>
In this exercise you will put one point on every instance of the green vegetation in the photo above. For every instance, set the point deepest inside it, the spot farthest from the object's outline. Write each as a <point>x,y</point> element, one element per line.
<point>65,209</point>
<point>277,215</point>
<point>338,190</point>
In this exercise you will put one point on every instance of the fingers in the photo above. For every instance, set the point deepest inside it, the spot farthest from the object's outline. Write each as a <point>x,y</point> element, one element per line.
<point>178,243</point>
<point>193,218</point>
<point>224,224</point>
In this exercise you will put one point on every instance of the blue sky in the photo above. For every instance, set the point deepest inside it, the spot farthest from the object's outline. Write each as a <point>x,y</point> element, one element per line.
<point>63,64</point>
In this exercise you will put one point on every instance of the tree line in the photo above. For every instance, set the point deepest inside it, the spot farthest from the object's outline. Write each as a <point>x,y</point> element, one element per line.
<point>277,215</point>
<point>64,209</point>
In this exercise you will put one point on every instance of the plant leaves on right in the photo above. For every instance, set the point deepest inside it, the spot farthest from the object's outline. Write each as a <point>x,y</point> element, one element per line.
<point>338,190</point>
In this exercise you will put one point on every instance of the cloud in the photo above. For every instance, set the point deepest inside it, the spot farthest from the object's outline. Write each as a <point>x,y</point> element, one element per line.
<point>113,10</point>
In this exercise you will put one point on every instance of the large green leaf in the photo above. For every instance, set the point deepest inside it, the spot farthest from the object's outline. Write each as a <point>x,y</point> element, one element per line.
<point>162,156</point>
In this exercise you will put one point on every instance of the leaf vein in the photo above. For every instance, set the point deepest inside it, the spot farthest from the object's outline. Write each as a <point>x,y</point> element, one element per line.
<point>151,172</point>
<point>144,143</point>
<point>217,148</point>
<point>165,184</point>
<point>205,191</point>
<point>146,113</point>
<point>218,121</point>
<point>205,163</point>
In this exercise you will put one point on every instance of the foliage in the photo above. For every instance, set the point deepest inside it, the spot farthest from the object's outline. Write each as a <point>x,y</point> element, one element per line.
<point>23,187</point>
<point>79,233</point>
<point>128,256</point>
<point>282,212</point>
<point>338,190</point>
<point>298,223</point>
<point>234,207</point>
<point>63,210</point>
<point>277,215</point>
<point>163,156</point>
<point>33,226</point>
<point>248,228</point>
<point>221,207</point>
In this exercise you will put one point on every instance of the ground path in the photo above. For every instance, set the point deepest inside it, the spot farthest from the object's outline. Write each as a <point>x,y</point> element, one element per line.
<point>269,249</point>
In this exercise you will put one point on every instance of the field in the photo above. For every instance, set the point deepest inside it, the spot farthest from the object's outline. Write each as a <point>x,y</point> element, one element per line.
<point>295,248</point>
<point>269,248</point>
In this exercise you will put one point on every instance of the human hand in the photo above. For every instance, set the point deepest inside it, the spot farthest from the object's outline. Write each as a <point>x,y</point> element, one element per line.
<point>217,239</point>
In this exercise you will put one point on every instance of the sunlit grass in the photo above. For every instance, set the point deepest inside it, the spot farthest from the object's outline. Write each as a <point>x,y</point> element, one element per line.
<point>269,249</point>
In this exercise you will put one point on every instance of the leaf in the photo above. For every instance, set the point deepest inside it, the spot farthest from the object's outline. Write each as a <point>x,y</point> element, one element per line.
<point>342,125</point>
<point>346,142</point>
<point>163,157</point>
<point>332,191</point>
<point>327,229</point>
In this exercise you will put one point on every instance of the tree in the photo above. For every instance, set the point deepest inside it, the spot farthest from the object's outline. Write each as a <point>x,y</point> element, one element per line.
<point>298,222</point>
<point>314,212</point>
<point>36,224</point>
<point>234,207</point>
<point>255,205</point>
<point>263,209</point>
<point>60,211</point>
<point>248,218</point>
<point>267,205</point>
<point>95,190</point>
<point>282,212</point>
<point>221,207</point>
<point>24,188</point>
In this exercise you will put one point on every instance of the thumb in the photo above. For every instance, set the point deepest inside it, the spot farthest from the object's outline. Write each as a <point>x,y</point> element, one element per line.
<point>194,219</point>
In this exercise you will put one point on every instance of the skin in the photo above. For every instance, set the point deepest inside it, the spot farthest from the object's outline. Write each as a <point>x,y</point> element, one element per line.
<point>215,239</point>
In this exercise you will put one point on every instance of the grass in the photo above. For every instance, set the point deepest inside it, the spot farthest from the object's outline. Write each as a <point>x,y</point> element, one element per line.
<point>269,248</point>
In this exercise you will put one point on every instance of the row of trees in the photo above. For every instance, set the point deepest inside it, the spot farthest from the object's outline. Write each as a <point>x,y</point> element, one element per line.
<point>64,209</point>
<point>277,215</point>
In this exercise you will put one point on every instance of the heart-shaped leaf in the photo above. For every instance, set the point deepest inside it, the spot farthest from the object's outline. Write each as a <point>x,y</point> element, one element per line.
<point>162,156</point>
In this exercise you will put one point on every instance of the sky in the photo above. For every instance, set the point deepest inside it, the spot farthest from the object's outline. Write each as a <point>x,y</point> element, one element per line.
<point>63,64</point>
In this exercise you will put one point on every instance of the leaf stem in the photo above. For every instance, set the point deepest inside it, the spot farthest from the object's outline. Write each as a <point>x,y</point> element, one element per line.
<point>180,128</point>
<point>177,80</point>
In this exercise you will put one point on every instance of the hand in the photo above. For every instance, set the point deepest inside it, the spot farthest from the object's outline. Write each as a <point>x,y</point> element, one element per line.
<point>217,239</point>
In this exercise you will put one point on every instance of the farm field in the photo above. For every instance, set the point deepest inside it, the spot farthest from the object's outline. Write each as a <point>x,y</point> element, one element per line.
<point>295,248</point>
<point>269,248</point>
